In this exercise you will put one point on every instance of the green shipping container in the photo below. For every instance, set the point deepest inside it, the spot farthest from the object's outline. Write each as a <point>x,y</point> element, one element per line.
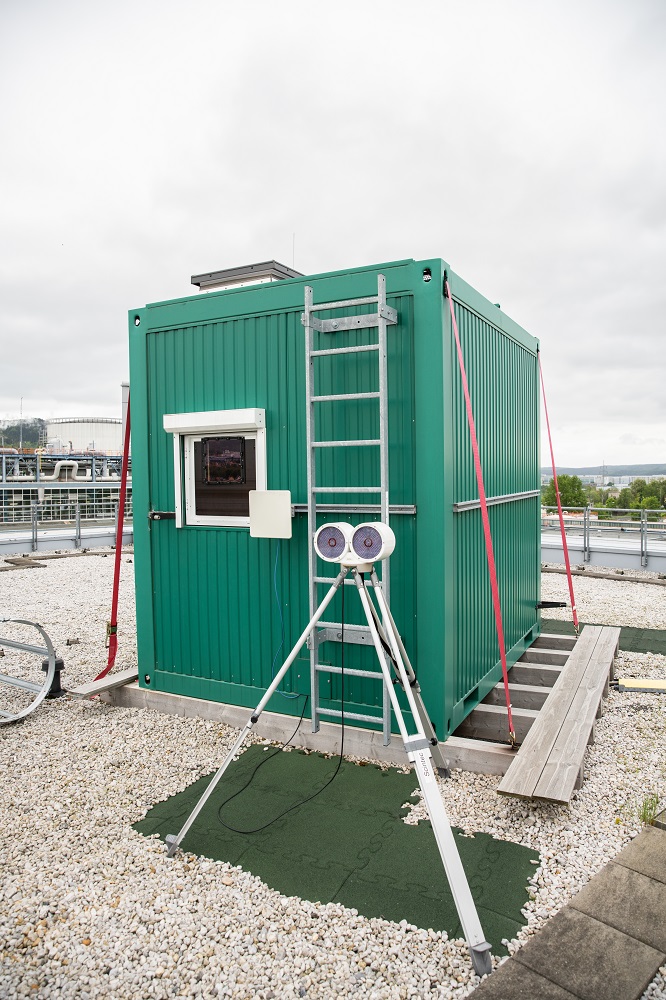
<point>218,610</point>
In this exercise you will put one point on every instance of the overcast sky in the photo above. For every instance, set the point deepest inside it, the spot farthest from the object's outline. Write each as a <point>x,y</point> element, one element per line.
<point>523,141</point>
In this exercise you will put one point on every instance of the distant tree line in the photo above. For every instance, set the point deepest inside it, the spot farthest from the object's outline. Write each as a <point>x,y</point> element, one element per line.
<point>10,436</point>
<point>639,496</point>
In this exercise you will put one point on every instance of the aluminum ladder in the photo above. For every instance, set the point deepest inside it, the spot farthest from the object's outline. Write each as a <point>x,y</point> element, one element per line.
<point>384,317</point>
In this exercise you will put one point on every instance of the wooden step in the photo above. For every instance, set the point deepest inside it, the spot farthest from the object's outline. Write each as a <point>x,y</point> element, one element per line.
<point>538,674</point>
<point>107,683</point>
<point>553,657</point>
<point>549,764</point>
<point>489,722</point>
<point>530,696</point>
<point>552,640</point>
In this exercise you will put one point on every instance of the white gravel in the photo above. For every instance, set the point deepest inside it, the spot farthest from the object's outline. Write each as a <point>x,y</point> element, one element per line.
<point>606,602</point>
<point>90,908</point>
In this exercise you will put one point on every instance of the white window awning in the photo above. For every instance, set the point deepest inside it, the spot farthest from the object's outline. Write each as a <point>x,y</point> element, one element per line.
<point>207,421</point>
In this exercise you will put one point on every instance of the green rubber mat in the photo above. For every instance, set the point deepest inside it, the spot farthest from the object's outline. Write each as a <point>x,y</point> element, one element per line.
<point>349,844</point>
<point>632,640</point>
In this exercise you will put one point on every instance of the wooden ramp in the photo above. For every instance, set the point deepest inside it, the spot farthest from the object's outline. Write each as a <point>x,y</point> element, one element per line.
<point>107,683</point>
<point>549,763</point>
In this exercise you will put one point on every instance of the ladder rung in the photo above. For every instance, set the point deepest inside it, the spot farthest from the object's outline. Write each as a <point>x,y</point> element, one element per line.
<point>351,715</point>
<point>363,443</point>
<point>25,647</point>
<point>323,669</point>
<point>331,579</point>
<point>345,395</point>
<point>346,489</point>
<point>345,350</point>
<point>343,303</point>
<point>20,683</point>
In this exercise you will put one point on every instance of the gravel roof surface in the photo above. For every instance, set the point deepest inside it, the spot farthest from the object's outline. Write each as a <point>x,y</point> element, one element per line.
<point>88,907</point>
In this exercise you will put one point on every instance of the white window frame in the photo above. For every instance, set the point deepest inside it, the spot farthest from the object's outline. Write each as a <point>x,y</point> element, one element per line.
<point>187,429</point>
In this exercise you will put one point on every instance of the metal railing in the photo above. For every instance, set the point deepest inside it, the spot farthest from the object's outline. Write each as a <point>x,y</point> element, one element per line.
<point>60,505</point>
<point>23,467</point>
<point>644,525</point>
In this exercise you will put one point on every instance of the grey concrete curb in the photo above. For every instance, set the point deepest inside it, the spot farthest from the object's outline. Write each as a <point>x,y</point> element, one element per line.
<point>609,941</point>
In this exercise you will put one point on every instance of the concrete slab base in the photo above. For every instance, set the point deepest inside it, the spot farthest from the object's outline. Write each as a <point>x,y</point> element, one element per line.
<point>469,755</point>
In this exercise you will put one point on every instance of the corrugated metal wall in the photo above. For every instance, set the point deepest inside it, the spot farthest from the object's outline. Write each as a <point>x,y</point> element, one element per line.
<point>216,616</point>
<point>208,620</point>
<point>503,384</point>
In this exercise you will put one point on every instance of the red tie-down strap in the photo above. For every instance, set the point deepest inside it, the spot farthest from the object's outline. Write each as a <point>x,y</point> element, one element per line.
<point>490,553</point>
<point>565,547</point>
<point>112,627</point>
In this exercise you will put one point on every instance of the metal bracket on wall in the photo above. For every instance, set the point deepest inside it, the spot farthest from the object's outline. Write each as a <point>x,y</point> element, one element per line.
<point>458,508</point>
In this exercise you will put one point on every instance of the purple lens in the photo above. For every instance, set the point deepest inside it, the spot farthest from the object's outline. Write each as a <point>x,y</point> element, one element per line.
<point>331,542</point>
<point>367,543</point>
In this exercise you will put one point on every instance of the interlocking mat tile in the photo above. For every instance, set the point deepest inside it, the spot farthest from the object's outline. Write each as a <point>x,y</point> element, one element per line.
<point>349,844</point>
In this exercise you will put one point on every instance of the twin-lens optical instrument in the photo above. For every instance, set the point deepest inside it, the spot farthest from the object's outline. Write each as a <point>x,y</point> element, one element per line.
<point>354,547</point>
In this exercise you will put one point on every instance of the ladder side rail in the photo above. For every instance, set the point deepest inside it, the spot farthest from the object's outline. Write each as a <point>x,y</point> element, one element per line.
<point>312,498</point>
<point>383,418</point>
<point>382,331</point>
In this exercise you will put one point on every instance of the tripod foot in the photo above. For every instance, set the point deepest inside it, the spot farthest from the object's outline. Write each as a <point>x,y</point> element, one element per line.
<point>482,959</point>
<point>172,844</point>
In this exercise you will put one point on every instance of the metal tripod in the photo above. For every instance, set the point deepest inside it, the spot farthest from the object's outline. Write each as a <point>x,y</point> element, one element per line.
<point>422,747</point>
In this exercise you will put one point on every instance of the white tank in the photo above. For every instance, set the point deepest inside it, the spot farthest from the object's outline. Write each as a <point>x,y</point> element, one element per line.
<point>75,435</point>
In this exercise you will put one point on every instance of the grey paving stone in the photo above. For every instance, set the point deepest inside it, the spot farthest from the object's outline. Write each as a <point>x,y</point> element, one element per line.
<point>629,901</point>
<point>646,854</point>
<point>588,958</point>
<point>513,981</point>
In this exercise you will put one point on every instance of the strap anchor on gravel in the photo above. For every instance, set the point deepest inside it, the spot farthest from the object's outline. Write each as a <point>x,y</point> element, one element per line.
<point>50,665</point>
<point>112,626</point>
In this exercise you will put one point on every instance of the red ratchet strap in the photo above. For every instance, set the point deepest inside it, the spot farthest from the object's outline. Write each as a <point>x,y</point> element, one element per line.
<point>565,547</point>
<point>112,626</point>
<point>490,554</point>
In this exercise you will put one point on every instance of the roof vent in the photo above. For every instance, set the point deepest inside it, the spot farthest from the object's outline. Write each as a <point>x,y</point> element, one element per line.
<point>251,274</point>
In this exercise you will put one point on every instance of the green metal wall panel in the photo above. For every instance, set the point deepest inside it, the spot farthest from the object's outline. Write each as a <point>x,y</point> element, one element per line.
<point>503,383</point>
<point>208,620</point>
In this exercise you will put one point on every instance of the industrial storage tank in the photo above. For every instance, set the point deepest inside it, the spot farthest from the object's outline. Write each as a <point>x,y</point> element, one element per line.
<point>76,435</point>
<point>220,404</point>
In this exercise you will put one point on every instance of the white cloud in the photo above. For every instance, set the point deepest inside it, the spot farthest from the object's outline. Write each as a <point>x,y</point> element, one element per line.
<point>144,142</point>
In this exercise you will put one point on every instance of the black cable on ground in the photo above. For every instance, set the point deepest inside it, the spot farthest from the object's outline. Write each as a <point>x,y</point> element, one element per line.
<point>314,795</point>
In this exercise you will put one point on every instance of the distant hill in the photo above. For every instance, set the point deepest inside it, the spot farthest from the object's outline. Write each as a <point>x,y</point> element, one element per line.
<point>608,470</point>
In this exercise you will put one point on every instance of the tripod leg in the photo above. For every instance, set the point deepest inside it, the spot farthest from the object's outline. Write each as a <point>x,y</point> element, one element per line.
<point>174,840</point>
<point>455,873</point>
<point>421,757</point>
<point>395,640</point>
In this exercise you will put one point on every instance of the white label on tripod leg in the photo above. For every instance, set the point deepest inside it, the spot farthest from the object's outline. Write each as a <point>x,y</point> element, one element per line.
<point>427,772</point>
